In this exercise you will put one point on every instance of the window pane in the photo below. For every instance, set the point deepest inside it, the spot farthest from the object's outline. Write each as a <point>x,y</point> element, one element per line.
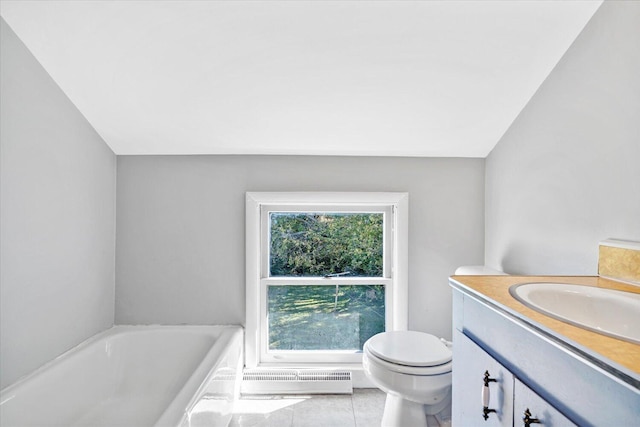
<point>330,317</point>
<point>318,244</point>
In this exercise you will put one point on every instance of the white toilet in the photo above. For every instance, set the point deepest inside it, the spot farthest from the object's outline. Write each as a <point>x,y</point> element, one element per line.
<point>414,369</point>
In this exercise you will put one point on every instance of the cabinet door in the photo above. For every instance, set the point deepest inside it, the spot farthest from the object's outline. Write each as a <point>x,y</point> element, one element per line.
<point>540,412</point>
<point>470,362</point>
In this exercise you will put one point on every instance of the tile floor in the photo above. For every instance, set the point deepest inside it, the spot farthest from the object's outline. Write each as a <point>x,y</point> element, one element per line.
<point>363,408</point>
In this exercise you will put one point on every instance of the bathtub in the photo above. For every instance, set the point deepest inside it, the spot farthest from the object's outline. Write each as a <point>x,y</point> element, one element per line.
<point>130,376</point>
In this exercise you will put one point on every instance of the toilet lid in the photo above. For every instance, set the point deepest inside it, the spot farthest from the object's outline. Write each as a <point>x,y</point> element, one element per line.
<point>409,348</point>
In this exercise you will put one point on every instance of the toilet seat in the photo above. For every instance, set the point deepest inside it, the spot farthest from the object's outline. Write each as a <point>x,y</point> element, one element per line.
<point>410,352</point>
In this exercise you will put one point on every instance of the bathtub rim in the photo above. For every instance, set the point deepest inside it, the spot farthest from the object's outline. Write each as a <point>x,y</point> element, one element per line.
<point>195,386</point>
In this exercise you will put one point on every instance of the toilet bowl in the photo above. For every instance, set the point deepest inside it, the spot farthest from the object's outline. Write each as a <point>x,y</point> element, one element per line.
<point>414,369</point>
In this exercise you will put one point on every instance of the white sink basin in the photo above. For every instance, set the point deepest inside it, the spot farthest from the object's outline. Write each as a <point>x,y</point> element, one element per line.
<point>609,312</point>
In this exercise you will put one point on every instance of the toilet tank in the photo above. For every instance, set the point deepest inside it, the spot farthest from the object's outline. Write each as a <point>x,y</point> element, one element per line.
<point>478,270</point>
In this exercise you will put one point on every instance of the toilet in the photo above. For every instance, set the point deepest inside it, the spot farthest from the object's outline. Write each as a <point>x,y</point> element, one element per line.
<point>414,369</point>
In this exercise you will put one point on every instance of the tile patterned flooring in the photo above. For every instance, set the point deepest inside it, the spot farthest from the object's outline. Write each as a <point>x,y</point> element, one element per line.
<point>363,408</point>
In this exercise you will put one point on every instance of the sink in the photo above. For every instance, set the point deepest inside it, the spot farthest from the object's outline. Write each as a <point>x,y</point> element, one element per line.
<point>606,311</point>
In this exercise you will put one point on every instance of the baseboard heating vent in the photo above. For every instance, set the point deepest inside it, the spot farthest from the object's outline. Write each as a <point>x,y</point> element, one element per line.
<point>296,381</point>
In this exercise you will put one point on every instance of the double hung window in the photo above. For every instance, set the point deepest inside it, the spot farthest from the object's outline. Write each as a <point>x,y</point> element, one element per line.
<point>325,272</point>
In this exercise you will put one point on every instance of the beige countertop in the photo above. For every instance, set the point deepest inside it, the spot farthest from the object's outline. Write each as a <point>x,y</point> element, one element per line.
<point>496,289</point>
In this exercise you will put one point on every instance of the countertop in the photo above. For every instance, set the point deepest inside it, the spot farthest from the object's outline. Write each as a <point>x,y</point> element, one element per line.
<point>618,354</point>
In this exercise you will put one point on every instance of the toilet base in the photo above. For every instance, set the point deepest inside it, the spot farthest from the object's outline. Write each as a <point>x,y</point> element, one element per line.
<point>399,412</point>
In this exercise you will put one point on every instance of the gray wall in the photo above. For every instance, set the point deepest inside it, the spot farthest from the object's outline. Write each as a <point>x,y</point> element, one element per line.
<point>181,219</point>
<point>57,218</point>
<point>567,173</point>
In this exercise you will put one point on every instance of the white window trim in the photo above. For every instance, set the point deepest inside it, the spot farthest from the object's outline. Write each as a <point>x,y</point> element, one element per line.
<point>398,319</point>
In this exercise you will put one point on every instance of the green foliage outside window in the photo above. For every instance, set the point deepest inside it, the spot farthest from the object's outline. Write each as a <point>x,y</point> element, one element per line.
<point>319,244</point>
<point>324,317</point>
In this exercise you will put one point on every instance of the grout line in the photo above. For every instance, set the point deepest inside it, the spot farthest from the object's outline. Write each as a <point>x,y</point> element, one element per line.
<point>353,410</point>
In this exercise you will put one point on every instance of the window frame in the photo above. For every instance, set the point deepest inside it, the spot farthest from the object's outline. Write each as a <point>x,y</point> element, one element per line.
<point>395,274</point>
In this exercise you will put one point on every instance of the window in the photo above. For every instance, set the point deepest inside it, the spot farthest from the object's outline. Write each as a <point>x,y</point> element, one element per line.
<point>325,272</point>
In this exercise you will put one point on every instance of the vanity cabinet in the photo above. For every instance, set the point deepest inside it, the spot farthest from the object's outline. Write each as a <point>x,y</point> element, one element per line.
<point>508,401</point>
<point>561,384</point>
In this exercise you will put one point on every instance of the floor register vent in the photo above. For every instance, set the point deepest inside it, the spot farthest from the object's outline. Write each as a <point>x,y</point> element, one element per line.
<point>296,381</point>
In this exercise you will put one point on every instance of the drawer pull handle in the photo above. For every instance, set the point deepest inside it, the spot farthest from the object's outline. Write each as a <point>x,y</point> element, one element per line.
<point>486,396</point>
<point>528,420</point>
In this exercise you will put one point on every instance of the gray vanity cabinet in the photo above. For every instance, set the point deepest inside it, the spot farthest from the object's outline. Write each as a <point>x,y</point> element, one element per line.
<point>508,401</point>
<point>560,384</point>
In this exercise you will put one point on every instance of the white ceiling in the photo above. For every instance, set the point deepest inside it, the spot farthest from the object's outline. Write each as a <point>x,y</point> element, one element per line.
<point>381,78</point>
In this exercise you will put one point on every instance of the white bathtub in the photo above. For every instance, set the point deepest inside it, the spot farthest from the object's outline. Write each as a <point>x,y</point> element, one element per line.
<point>134,376</point>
